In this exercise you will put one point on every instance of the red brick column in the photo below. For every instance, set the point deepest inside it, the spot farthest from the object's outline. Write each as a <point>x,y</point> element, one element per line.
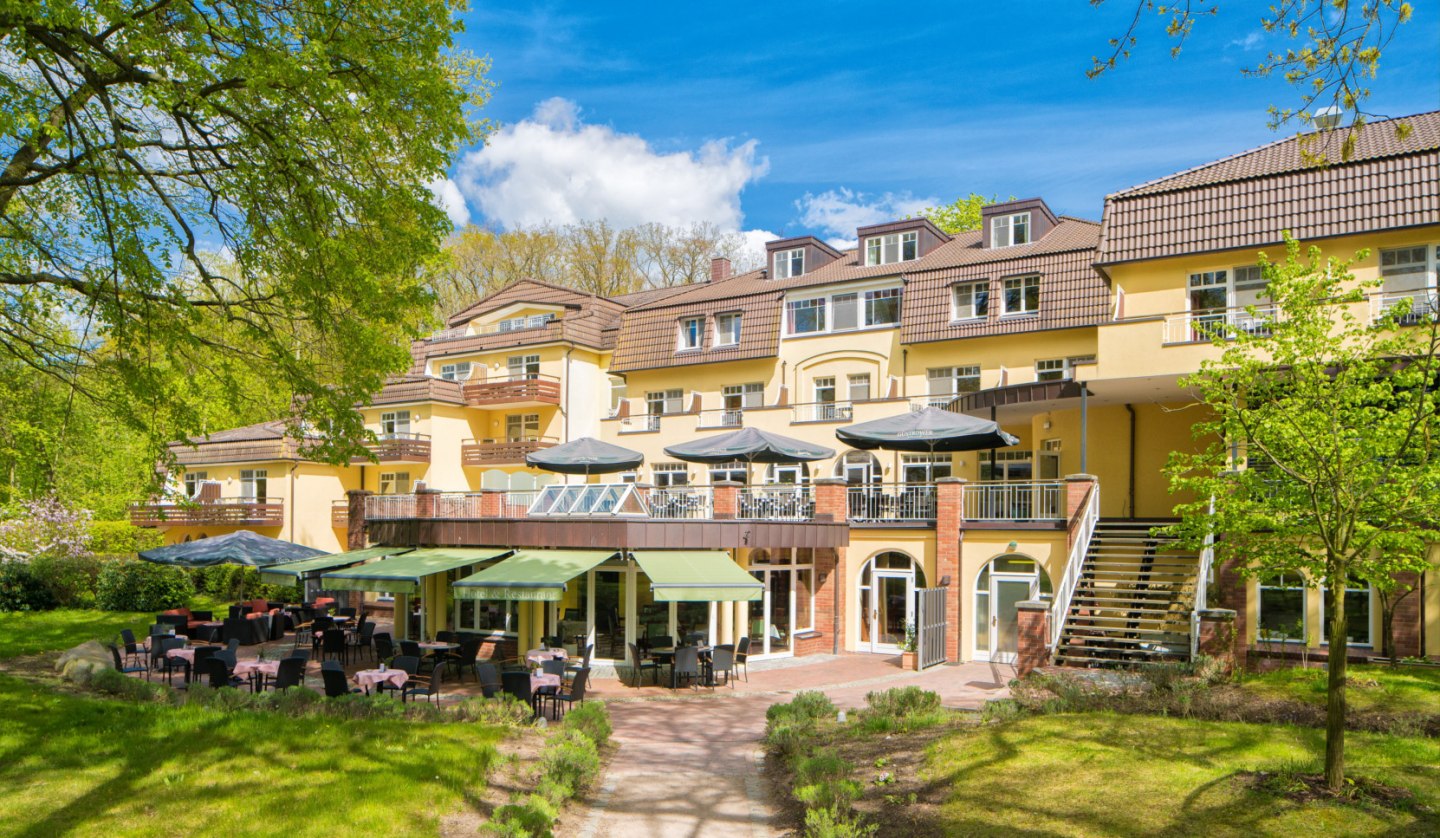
<point>1217,636</point>
<point>492,503</point>
<point>949,532</point>
<point>830,572</point>
<point>355,527</point>
<point>1406,624</point>
<point>1077,486</point>
<point>727,499</point>
<point>1034,634</point>
<point>425,501</point>
<point>1232,591</point>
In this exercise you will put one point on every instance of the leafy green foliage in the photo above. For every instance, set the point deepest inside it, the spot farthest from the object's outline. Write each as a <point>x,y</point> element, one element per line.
<point>127,585</point>
<point>122,538</point>
<point>232,582</point>
<point>72,580</point>
<point>960,215</point>
<point>21,589</point>
<point>901,709</point>
<point>590,720</point>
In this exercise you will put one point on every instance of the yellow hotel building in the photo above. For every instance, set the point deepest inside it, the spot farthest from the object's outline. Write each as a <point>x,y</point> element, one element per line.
<point>1070,333</point>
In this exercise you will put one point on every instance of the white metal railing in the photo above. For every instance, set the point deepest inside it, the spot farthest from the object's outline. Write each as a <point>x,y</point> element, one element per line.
<point>941,401</point>
<point>1079,548</point>
<point>891,502</point>
<point>821,412</point>
<point>389,507</point>
<point>690,503</point>
<point>457,505</point>
<point>1202,584</point>
<point>640,424</point>
<point>516,502</point>
<point>1009,500</point>
<point>724,418</point>
<point>1208,324</point>
<point>778,502</point>
<point>1421,305</point>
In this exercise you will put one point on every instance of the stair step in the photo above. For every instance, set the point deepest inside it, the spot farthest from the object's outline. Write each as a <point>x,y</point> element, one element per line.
<point>1097,571</point>
<point>1113,662</point>
<point>1131,651</point>
<point>1103,634</point>
<point>1124,609</point>
<point>1103,563</point>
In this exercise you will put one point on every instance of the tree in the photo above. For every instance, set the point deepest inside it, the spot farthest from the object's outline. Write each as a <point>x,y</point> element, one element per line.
<point>1339,425</point>
<point>671,256</point>
<point>477,261</point>
<point>1335,52</point>
<point>230,186</point>
<point>961,215</point>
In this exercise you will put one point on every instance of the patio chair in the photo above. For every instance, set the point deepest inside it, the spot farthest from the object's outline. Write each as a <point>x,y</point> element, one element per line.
<point>126,668</point>
<point>233,646</point>
<point>238,630</point>
<point>518,685</point>
<point>335,683</point>
<point>463,659</point>
<point>686,665</point>
<point>384,647</point>
<point>640,664</point>
<point>411,648</point>
<point>291,674</point>
<point>202,653</point>
<point>574,694</point>
<point>408,663</point>
<point>553,666</point>
<point>216,673</point>
<point>364,638</point>
<point>133,650</point>
<point>424,686</point>
<point>225,655</point>
<point>489,677</point>
<point>446,637</point>
<point>300,655</point>
<point>168,665</point>
<point>742,652</point>
<point>722,661</point>
<point>334,647</point>
<point>346,612</point>
<point>335,666</point>
<point>584,663</point>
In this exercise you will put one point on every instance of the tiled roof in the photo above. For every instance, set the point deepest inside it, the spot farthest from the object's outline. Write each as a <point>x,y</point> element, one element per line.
<point>1250,199</point>
<point>247,433</point>
<point>419,388</point>
<point>521,291</point>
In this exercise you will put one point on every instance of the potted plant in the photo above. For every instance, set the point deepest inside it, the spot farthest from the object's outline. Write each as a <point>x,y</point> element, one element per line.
<point>907,649</point>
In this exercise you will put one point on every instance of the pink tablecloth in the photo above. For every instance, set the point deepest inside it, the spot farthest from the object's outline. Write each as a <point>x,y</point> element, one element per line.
<point>538,655</point>
<point>263,667</point>
<point>540,679</point>
<point>371,677</point>
<point>187,655</point>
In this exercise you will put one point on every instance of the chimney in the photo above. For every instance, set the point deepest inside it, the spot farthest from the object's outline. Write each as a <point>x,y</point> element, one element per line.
<point>719,269</point>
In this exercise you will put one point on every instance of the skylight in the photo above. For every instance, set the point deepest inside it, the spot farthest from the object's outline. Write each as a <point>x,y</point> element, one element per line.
<point>593,499</point>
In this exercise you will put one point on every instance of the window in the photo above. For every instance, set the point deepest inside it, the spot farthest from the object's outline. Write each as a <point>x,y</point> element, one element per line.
<point>924,468</point>
<point>522,367</point>
<point>951,381</point>
<point>394,423</point>
<point>534,321</point>
<point>1022,295</point>
<point>727,329</point>
<point>1053,369</point>
<point>669,475</point>
<point>1007,230</point>
<point>825,389</point>
<point>789,263</point>
<point>522,427</point>
<point>1357,614</point>
<point>1408,268</point>
<point>858,387</point>
<point>882,307</point>
<point>193,479</point>
<point>1282,608</point>
<point>691,329</point>
<point>742,396</point>
<point>971,300</point>
<point>805,316</point>
<point>895,247</point>
<point>846,309</point>
<point>617,394</point>
<point>664,401</point>
<point>254,483</point>
<point>734,472</point>
<point>394,482</point>
<point>455,372</point>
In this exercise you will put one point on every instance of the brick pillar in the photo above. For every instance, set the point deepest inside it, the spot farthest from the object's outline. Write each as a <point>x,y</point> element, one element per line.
<point>1077,486</point>
<point>1406,624</point>
<point>1232,591</point>
<point>727,499</point>
<point>492,503</point>
<point>830,494</point>
<point>949,526</point>
<point>355,527</point>
<point>830,568</point>
<point>424,501</point>
<point>1034,634</point>
<point>1217,636</point>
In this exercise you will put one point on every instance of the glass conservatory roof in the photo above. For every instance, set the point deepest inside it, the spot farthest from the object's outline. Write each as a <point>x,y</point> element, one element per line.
<point>592,499</point>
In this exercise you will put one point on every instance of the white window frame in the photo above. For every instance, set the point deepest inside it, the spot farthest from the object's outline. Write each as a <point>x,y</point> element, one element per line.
<point>671,402</point>
<point>1299,584</point>
<point>618,387</point>
<point>854,379</point>
<point>727,328</point>
<point>523,363</point>
<point>892,248</point>
<point>457,371</point>
<point>870,298</point>
<point>692,334</point>
<point>1047,366</point>
<point>398,483</point>
<point>1022,284</point>
<point>193,479</point>
<point>1003,230</point>
<point>670,475</point>
<point>953,381</point>
<point>789,263</point>
<point>817,304</point>
<point>970,310</point>
<point>751,394</point>
<point>841,299</point>
<point>394,424</point>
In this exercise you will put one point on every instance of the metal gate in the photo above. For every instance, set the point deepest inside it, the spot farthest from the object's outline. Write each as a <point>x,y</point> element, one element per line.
<point>930,626</point>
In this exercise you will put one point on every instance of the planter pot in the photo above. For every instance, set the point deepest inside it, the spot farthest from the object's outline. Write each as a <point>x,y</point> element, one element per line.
<point>908,660</point>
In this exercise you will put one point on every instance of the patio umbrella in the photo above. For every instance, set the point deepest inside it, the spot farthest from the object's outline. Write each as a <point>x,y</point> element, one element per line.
<point>240,547</point>
<point>585,455</point>
<point>931,429</point>
<point>749,445</point>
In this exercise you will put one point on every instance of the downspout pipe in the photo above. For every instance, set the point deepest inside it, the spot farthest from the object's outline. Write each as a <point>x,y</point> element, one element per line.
<point>1130,409</point>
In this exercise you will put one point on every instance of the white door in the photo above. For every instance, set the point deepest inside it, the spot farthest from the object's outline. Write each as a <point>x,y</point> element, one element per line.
<point>891,603</point>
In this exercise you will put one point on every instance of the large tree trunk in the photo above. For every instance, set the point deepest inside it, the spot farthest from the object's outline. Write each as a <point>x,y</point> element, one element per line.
<point>1335,696</point>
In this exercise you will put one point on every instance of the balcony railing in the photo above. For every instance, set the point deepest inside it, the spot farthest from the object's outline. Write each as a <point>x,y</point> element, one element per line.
<point>898,502</point>
<point>821,412</point>
<point>781,502</point>
<point>644,423</point>
<point>488,452</point>
<point>723,418</point>
<point>340,514</point>
<point>1420,306</point>
<point>389,507</point>
<point>1208,324</point>
<point>516,391</point>
<point>399,447</point>
<point>1015,501</point>
<point>255,512</point>
<point>688,503</point>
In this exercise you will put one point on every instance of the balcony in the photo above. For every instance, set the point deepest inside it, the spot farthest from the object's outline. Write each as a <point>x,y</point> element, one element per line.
<point>781,502</point>
<point>722,418</point>
<point>1015,501</point>
<point>1404,308</point>
<point>531,390</point>
<point>399,448</point>
<point>899,503</point>
<point>683,503</point>
<point>821,412</point>
<point>245,512</point>
<point>645,423</point>
<point>498,452</point>
<point>1204,326</point>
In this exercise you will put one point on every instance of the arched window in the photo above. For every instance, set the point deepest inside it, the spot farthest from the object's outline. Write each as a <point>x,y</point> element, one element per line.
<point>1002,583</point>
<point>858,467</point>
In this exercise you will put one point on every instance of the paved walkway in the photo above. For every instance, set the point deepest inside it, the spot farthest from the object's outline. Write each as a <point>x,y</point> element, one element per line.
<point>690,765</point>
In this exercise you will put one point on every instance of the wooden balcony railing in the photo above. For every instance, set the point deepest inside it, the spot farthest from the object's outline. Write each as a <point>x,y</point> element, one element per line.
<point>490,452</point>
<point>340,514</point>
<point>400,448</point>
<point>521,391</point>
<point>252,512</point>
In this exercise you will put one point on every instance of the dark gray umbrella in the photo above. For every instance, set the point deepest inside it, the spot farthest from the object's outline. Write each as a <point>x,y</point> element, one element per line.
<point>240,547</point>
<point>751,446</point>
<point>585,455</point>
<point>931,429</point>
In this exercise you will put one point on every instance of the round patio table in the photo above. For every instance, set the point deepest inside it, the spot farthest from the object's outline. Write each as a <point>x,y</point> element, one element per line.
<point>187,655</point>
<point>368,678</point>
<point>539,655</point>
<point>252,667</point>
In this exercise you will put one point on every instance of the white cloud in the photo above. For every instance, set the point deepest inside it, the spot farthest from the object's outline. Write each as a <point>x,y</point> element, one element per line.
<point>753,246</point>
<point>838,212</point>
<point>448,198</point>
<point>554,168</point>
<point>1249,42</point>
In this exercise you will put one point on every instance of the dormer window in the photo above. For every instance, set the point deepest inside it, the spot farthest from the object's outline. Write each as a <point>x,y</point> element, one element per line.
<point>789,263</point>
<point>727,329</point>
<point>1007,230</point>
<point>515,324</point>
<point>691,331</point>
<point>894,247</point>
<point>455,372</point>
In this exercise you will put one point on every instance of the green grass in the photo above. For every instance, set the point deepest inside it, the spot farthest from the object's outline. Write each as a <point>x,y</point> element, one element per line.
<point>1107,774</point>
<point>33,632</point>
<point>116,768</point>
<point>1403,689</point>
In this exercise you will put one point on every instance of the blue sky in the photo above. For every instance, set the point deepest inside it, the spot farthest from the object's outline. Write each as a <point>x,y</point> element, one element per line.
<point>790,118</point>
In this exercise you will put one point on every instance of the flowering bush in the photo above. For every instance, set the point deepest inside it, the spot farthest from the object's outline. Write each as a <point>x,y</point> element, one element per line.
<point>44,527</point>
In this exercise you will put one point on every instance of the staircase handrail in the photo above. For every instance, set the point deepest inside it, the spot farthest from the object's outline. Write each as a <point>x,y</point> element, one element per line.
<point>1079,548</point>
<point>1202,582</point>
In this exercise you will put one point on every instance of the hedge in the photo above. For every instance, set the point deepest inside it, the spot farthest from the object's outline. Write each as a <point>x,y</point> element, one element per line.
<point>133,585</point>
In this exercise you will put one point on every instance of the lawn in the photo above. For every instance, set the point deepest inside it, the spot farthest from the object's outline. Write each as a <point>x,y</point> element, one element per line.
<point>1402,689</point>
<point>33,632</point>
<point>1109,774</point>
<point>110,767</point>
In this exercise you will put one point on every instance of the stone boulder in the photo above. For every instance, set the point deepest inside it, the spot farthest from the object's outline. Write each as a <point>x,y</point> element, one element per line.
<point>78,663</point>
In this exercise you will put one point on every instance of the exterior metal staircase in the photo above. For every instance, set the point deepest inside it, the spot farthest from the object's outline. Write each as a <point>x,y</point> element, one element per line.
<point>1133,600</point>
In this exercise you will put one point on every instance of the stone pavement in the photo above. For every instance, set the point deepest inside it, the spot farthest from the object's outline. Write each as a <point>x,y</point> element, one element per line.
<point>689,764</point>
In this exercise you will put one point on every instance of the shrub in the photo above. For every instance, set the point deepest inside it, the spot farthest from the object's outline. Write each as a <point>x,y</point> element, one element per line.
<point>900,702</point>
<point>240,582</point>
<point>591,720</point>
<point>532,817</point>
<point>503,710</point>
<point>22,590</point>
<point>808,706</point>
<point>571,759</point>
<point>113,682</point>
<point>70,579</point>
<point>827,823</point>
<point>122,538</point>
<point>142,586</point>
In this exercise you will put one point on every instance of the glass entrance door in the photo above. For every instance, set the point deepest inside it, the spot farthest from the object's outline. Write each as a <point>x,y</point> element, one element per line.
<point>1004,619</point>
<point>894,597</point>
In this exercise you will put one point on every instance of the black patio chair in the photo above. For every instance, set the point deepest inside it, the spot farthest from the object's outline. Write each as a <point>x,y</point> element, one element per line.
<point>518,685</point>
<point>424,686</point>
<point>202,653</point>
<point>584,663</point>
<point>411,648</point>
<point>364,638</point>
<point>489,677</point>
<point>575,693</point>
<point>384,647</point>
<point>334,647</point>
<point>164,663</point>
<point>238,630</point>
<point>336,684</point>
<point>464,659</point>
<point>722,661</point>
<point>552,666</point>
<point>407,663</point>
<point>742,653</point>
<point>299,655</point>
<point>233,646</point>
<point>640,664</point>
<point>291,674</point>
<point>686,665</point>
<point>336,666</point>
<point>216,673</point>
<point>134,651</point>
<point>127,668</point>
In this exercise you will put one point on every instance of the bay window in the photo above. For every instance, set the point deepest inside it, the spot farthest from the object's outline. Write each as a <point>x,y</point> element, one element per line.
<point>844,311</point>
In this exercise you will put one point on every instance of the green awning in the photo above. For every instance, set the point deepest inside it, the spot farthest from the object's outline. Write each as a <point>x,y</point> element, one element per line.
<point>697,576</point>
<point>402,574</point>
<point>530,575</point>
<point>292,572</point>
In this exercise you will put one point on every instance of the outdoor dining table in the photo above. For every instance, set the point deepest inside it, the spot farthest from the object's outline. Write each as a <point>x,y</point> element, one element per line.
<point>368,678</point>
<point>668,652</point>
<point>257,671</point>
<point>537,656</point>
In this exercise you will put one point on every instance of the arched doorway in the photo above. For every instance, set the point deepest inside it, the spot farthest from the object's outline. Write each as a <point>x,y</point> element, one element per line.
<point>858,468</point>
<point>886,594</point>
<point>1003,583</point>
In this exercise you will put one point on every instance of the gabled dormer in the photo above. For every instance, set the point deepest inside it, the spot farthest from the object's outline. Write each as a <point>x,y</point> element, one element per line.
<point>1015,222</point>
<point>897,242</point>
<point>789,258</point>
<point>517,316</point>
